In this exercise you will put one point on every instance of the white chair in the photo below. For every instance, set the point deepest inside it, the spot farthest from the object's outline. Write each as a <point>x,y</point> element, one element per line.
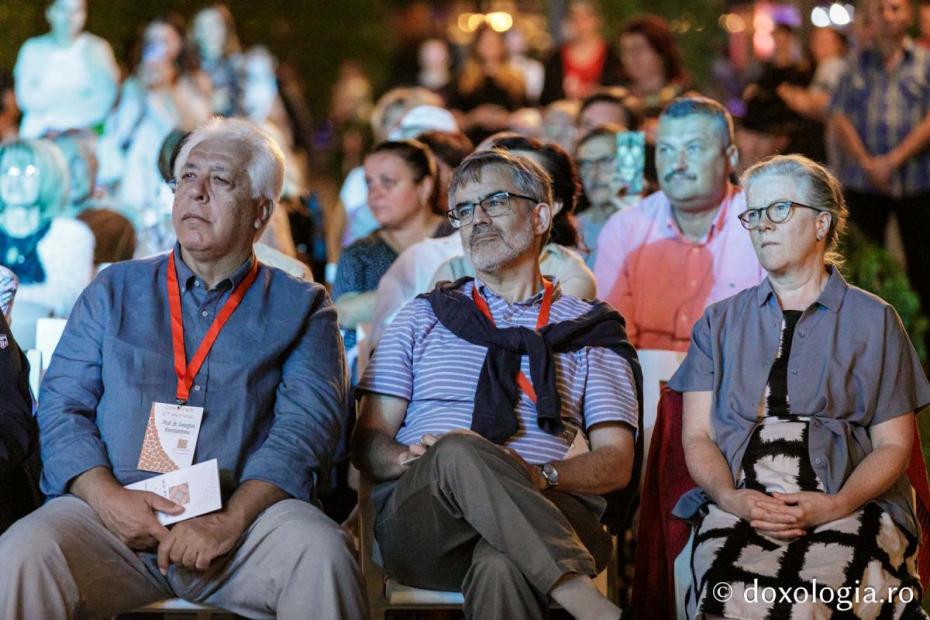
<point>34,357</point>
<point>48,333</point>
<point>23,320</point>
<point>179,605</point>
<point>658,367</point>
<point>45,339</point>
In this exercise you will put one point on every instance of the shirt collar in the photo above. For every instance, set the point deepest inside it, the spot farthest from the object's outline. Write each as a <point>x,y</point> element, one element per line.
<point>535,300</point>
<point>188,277</point>
<point>831,297</point>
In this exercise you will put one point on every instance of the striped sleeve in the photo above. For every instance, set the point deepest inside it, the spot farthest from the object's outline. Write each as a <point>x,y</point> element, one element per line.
<point>610,390</point>
<point>390,369</point>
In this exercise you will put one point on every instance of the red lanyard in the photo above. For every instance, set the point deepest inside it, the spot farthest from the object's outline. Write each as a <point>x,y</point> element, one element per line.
<point>542,320</point>
<point>185,373</point>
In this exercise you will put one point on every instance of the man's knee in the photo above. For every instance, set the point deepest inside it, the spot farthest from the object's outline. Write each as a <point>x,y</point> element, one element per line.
<point>304,533</point>
<point>35,540</point>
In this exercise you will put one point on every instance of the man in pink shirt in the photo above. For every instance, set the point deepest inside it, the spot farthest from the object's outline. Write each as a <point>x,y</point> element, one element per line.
<point>663,262</point>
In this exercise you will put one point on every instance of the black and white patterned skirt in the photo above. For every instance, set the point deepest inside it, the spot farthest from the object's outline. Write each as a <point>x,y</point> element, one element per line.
<point>860,566</point>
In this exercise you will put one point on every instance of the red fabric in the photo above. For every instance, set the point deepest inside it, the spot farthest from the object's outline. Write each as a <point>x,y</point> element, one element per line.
<point>662,536</point>
<point>583,78</point>
<point>917,472</point>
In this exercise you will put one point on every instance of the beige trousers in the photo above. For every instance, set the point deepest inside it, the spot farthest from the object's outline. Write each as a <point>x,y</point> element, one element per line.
<point>293,562</point>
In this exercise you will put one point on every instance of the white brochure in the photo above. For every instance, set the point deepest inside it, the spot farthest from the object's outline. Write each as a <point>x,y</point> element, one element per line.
<point>197,488</point>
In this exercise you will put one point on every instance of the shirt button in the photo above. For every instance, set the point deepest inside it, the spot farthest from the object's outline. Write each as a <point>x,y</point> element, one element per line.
<point>818,461</point>
<point>794,371</point>
<point>196,282</point>
<point>196,388</point>
<point>204,313</point>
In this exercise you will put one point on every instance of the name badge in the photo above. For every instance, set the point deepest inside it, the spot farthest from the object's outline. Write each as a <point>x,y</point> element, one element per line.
<point>170,437</point>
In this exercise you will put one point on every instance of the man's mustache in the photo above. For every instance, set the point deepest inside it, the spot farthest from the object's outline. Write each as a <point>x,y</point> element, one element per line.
<point>483,230</point>
<point>675,173</point>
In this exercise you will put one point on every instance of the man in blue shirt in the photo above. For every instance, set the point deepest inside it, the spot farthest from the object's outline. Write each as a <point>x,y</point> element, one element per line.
<point>272,388</point>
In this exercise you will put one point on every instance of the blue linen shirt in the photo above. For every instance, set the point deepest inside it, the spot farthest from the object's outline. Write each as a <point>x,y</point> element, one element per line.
<point>884,107</point>
<point>273,387</point>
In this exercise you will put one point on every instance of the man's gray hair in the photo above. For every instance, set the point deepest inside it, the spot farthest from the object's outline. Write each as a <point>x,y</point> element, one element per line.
<point>696,104</point>
<point>528,176</point>
<point>265,163</point>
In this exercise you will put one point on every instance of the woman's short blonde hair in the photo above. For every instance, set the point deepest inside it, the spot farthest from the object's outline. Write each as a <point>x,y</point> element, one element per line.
<point>823,190</point>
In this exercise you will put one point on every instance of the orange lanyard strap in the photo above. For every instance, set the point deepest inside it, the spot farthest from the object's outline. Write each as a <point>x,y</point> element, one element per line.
<point>186,373</point>
<point>542,320</point>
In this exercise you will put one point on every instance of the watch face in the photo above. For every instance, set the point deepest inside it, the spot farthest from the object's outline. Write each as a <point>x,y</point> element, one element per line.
<point>551,474</point>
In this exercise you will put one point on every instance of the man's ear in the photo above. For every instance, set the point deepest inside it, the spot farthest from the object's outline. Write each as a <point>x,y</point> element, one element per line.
<point>732,156</point>
<point>264,214</point>
<point>544,216</point>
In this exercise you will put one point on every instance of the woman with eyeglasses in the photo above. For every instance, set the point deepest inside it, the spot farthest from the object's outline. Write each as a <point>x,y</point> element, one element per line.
<point>798,422</point>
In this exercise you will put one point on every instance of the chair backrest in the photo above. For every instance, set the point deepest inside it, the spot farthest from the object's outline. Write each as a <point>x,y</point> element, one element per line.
<point>23,320</point>
<point>658,367</point>
<point>917,473</point>
<point>48,333</point>
<point>661,536</point>
<point>34,357</point>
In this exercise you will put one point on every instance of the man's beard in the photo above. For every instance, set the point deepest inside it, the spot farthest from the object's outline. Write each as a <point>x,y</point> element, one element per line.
<point>489,251</point>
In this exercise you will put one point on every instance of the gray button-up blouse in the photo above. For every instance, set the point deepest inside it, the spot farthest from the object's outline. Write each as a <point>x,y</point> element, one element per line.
<point>852,366</point>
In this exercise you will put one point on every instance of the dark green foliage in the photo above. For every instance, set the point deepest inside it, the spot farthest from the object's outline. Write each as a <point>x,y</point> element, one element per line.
<point>872,268</point>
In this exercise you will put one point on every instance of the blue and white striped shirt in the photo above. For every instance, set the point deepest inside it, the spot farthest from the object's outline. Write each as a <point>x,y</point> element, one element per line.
<point>884,106</point>
<point>421,361</point>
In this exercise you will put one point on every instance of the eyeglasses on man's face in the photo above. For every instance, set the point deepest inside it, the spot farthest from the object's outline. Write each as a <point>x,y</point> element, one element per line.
<point>777,212</point>
<point>494,205</point>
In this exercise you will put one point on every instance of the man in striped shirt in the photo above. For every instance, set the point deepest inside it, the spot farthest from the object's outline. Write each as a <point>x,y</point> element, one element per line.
<point>513,521</point>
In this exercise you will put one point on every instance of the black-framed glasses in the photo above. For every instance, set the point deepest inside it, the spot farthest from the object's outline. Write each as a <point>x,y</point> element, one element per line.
<point>494,205</point>
<point>777,212</point>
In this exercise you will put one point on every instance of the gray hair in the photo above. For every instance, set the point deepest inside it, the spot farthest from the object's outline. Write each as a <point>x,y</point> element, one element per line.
<point>529,177</point>
<point>695,104</point>
<point>265,165</point>
<point>823,190</point>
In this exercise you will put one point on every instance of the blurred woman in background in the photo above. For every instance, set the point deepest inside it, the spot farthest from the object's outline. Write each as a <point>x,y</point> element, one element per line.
<point>488,87</point>
<point>403,191</point>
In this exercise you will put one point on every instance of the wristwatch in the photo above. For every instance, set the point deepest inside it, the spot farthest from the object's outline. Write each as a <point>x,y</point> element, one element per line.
<point>550,473</point>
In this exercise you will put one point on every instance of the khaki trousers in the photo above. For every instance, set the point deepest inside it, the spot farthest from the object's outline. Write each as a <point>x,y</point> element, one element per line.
<point>466,516</point>
<point>61,562</point>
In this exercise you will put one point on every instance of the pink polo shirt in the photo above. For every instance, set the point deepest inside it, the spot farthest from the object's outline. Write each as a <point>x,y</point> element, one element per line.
<point>660,281</point>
